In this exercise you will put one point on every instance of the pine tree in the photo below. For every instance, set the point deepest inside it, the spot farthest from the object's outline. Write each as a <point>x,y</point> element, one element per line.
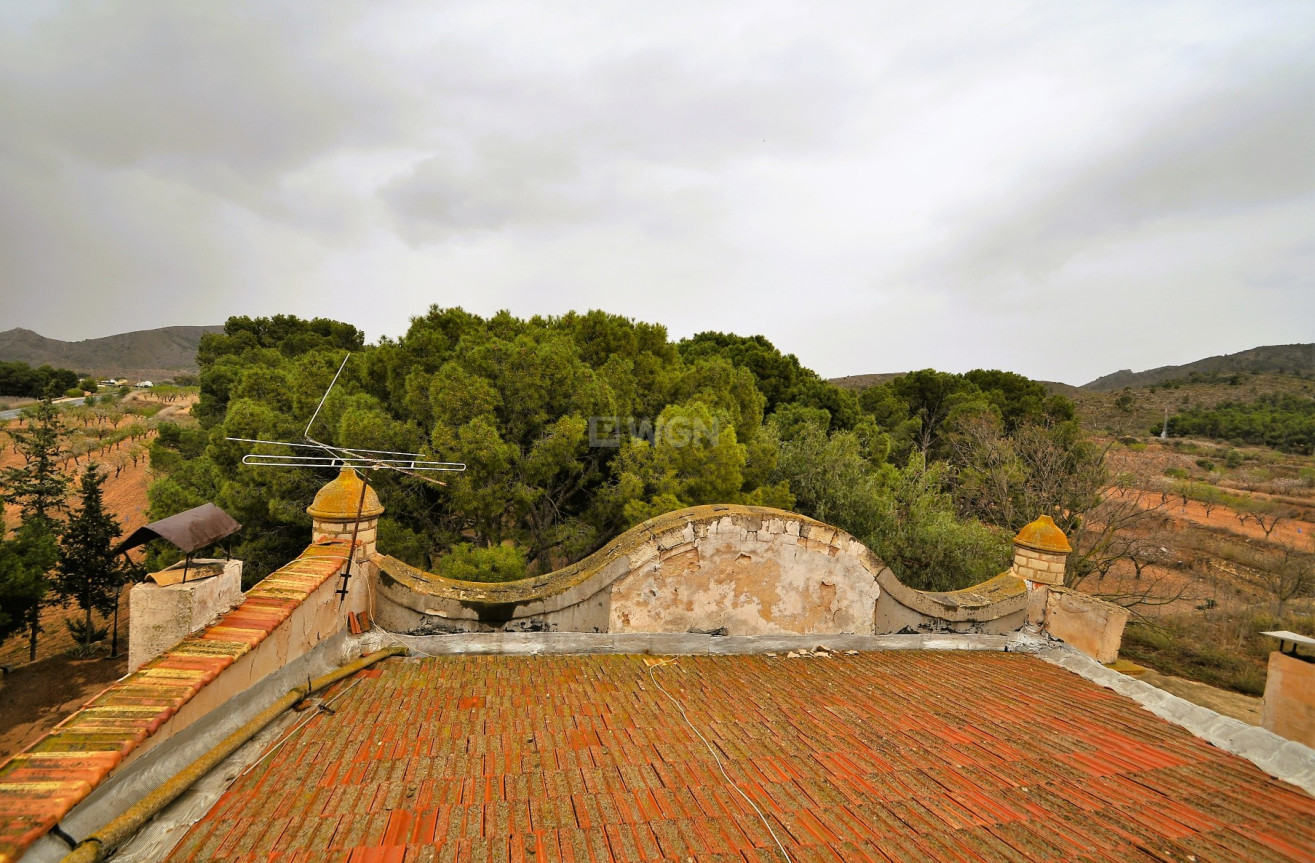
<point>88,573</point>
<point>37,488</point>
<point>24,561</point>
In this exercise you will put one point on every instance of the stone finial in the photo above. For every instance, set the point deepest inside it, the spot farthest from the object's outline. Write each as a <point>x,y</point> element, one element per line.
<point>1040,551</point>
<point>334,511</point>
<point>338,500</point>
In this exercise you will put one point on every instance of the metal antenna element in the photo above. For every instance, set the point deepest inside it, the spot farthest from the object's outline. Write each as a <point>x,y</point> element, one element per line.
<point>325,397</point>
<point>412,464</point>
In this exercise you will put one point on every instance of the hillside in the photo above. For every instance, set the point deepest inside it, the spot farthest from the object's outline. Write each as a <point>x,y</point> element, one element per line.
<point>1271,359</point>
<point>157,353</point>
<point>862,382</point>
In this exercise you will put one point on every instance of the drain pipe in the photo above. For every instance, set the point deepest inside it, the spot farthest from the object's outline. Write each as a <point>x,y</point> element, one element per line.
<point>98,845</point>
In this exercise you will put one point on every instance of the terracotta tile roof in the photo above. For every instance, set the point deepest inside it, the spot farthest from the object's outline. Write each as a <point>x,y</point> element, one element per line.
<point>887,756</point>
<point>41,784</point>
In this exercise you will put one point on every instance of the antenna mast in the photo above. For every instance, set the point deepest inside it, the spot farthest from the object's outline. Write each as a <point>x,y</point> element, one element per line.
<point>363,460</point>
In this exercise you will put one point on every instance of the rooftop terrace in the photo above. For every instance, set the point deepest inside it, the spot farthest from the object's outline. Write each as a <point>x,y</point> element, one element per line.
<point>898,755</point>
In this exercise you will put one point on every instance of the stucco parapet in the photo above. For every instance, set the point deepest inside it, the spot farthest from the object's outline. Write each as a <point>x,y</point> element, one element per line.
<point>659,537</point>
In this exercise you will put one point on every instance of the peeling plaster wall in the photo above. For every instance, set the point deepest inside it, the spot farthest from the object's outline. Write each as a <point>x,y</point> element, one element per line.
<point>750,575</point>
<point>742,570</point>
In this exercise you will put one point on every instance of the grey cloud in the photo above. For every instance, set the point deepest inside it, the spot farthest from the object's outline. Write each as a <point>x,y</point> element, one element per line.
<point>126,83</point>
<point>1246,148</point>
<point>901,180</point>
<point>496,183</point>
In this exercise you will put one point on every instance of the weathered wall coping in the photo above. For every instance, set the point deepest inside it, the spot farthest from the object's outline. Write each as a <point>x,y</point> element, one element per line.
<point>430,593</point>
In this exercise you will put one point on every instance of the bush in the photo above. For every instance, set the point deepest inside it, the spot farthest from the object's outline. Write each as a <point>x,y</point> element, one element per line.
<point>1233,459</point>
<point>72,393</point>
<point>467,563</point>
<point>1227,651</point>
<point>78,629</point>
<point>1176,473</point>
<point>1205,464</point>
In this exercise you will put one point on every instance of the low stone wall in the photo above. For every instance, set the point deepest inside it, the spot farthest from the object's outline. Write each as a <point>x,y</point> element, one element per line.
<point>728,569</point>
<point>162,615</point>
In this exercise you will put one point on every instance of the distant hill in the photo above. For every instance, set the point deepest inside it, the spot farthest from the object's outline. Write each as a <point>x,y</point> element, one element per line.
<point>1272,359</point>
<point>862,382</point>
<point>152,354</point>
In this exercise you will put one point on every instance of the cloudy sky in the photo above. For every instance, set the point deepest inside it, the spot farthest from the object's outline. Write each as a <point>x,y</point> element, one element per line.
<point>1059,189</point>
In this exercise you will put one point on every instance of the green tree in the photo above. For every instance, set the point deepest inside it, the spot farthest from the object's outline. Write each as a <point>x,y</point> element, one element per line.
<point>37,488</point>
<point>88,573</point>
<point>25,560</point>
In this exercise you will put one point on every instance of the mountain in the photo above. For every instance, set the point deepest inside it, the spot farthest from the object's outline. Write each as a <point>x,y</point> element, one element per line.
<point>152,354</point>
<point>1271,359</point>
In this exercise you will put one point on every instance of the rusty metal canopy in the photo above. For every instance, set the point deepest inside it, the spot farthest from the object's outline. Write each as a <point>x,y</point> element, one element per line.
<point>190,530</point>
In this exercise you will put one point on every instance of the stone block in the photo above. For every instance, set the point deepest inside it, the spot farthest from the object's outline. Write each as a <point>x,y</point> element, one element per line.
<point>1289,706</point>
<point>160,617</point>
<point>1092,625</point>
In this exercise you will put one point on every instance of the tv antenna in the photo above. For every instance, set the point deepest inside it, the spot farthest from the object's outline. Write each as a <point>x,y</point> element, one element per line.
<point>363,460</point>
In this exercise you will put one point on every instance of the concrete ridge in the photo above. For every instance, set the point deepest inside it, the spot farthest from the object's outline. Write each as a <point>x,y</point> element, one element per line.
<point>688,644</point>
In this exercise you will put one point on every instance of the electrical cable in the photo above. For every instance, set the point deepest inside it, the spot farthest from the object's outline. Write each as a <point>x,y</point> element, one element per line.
<point>715,757</point>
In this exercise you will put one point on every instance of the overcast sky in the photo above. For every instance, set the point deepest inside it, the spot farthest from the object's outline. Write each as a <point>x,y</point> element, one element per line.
<point>1061,189</point>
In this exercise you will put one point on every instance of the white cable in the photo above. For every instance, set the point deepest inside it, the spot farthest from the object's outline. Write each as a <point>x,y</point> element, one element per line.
<point>300,725</point>
<point>761,817</point>
<point>716,758</point>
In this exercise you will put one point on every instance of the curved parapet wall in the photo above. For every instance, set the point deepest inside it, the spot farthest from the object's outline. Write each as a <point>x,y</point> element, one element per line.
<point>726,569</point>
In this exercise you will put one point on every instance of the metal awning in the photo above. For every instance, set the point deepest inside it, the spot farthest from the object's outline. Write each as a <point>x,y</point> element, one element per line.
<point>191,530</point>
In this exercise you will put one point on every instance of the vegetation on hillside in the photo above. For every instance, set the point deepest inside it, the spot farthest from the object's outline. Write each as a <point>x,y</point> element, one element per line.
<point>20,379</point>
<point>58,553</point>
<point>1284,422</point>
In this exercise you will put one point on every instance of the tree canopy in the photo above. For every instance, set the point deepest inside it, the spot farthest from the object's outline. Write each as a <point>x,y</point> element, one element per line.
<point>20,379</point>
<point>574,428</point>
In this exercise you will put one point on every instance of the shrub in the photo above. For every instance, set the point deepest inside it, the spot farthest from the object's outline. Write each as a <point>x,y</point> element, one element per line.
<point>1233,459</point>
<point>467,563</point>
<point>78,629</point>
<point>1205,464</point>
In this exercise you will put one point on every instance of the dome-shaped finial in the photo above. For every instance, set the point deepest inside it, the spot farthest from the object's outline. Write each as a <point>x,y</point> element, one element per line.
<point>1043,535</point>
<point>338,500</point>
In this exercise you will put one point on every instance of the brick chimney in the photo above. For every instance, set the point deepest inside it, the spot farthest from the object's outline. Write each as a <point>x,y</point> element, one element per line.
<point>335,508</point>
<point>1040,550</point>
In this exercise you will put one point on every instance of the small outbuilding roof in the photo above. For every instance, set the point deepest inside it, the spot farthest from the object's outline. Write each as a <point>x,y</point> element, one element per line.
<point>190,530</point>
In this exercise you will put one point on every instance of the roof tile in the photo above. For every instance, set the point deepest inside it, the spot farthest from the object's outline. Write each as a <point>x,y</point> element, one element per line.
<point>882,756</point>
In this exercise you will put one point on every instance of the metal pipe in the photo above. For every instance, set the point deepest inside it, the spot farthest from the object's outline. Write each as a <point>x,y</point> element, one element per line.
<point>99,844</point>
